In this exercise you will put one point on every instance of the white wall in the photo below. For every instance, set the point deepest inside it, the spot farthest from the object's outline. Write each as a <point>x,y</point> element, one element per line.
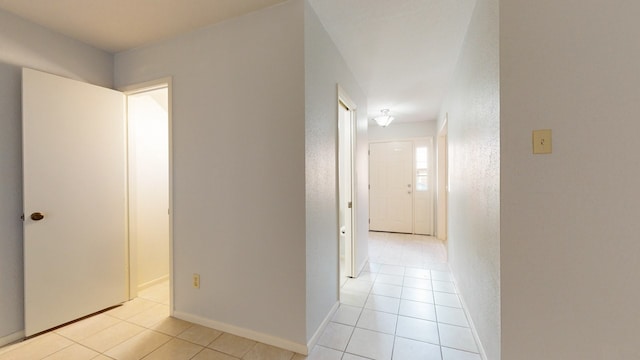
<point>570,226</point>
<point>25,44</point>
<point>400,130</point>
<point>238,161</point>
<point>324,69</point>
<point>473,105</point>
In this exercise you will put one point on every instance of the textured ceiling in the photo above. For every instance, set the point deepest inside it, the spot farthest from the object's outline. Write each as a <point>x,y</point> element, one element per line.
<point>402,52</point>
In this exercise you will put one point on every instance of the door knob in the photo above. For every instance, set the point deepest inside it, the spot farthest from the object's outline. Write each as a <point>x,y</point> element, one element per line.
<point>37,216</point>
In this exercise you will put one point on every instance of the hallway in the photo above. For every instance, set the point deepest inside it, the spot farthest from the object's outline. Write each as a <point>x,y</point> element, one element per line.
<point>402,306</point>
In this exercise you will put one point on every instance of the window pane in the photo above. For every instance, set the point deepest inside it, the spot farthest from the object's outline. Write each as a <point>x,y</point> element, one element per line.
<point>422,183</point>
<point>422,173</point>
<point>421,157</point>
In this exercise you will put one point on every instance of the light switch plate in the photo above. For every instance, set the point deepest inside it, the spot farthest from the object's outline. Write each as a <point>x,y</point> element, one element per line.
<point>542,141</point>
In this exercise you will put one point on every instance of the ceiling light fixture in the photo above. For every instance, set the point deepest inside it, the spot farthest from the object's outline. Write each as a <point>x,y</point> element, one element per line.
<point>385,119</point>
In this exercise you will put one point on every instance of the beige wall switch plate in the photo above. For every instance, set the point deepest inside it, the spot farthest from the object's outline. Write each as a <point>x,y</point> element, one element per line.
<point>542,141</point>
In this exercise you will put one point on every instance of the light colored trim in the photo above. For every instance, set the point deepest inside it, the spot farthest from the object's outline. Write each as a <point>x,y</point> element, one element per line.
<point>8,339</point>
<point>153,282</point>
<point>131,250</point>
<point>140,88</point>
<point>316,336</point>
<point>354,189</point>
<point>170,113</point>
<point>481,350</point>
<point>351,106</point>
<point>246,333</point>
<point>342,96</point>
<point>412,139</point>
<point>444,126</point>
<point>442,175</point>
<point>147,86</point>
<point>362,266</point>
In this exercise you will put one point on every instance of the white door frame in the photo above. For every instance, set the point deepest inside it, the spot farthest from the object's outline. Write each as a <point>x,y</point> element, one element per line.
<point>350,243</point>
<point>132,268</point>
<point>443,181</point>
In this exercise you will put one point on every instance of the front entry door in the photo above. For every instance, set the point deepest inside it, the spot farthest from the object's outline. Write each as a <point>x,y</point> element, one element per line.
<point>74,199</point>
<point>391,186</point>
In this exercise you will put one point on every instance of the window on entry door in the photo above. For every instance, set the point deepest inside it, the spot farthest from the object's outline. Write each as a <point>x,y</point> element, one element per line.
<point>422,173</point>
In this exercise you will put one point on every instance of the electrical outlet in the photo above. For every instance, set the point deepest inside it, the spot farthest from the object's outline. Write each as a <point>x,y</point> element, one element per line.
<point>196,281</point>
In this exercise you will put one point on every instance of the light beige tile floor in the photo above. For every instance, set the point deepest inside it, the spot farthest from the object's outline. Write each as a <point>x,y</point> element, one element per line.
<point>403,306</point>
<point>140,329</point>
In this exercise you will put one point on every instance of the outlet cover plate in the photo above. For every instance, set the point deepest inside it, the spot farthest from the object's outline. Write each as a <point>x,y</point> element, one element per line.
<point>542,141</point>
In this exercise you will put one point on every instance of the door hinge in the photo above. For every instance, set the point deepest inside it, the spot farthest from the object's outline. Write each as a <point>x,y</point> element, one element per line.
<point>22,217</point>
<point>349,205</point>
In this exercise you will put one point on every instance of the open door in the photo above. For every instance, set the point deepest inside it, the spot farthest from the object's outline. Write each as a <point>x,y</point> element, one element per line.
<point>74,158</point>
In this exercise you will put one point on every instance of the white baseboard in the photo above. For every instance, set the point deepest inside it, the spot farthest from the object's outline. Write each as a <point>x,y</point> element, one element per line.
<point>246,333</point>
<point>362,266</point>
<point>18,335</point>
<point>481,350</point>
<point>149,284</point>
<point>316,336</point>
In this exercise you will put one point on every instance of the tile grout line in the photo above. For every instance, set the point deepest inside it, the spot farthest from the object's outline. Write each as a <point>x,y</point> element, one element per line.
<point>435,309</point>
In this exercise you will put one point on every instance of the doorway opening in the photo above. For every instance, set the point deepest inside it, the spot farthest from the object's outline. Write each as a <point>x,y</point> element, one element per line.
<point>401,186</point>
<point>98,201</point>
<point>346,181</point>
<point>148,119</point>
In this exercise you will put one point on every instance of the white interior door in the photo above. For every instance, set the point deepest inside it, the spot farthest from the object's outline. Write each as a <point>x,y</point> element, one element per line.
<point>74,174</point>
<point>391,186</point>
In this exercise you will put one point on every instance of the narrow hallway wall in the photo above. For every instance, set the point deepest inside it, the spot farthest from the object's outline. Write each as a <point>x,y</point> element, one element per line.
<point>324,70</point>
<point>473,108</point>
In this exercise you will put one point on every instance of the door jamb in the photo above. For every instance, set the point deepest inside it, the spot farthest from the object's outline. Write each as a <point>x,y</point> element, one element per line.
<point>132,90</point>
<point>443,182</point>
<point>351,106</point>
